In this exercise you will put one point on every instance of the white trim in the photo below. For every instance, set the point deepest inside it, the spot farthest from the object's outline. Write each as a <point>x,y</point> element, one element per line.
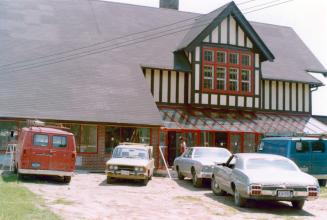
<point>181,88</point>
<point>164,97</point>
<point>45,172</point>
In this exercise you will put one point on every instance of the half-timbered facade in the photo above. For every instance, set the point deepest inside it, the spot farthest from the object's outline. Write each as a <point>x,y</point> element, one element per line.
<point>152,75</point>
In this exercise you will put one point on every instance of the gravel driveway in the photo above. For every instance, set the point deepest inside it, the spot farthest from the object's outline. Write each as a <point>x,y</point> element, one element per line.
<point>89,197</point>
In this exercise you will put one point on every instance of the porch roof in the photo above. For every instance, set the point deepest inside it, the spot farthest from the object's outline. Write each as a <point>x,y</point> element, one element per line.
<point>240,121</point>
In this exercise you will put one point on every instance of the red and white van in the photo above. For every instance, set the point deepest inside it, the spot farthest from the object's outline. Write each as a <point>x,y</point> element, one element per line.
<point>45,151</point>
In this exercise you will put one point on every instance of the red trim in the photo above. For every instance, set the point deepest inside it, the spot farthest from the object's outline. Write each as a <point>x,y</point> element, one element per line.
<point>228,65</point>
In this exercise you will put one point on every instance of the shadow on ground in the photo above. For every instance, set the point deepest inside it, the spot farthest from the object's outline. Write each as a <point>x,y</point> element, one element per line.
<point>123,182</point>
<point>270,207</point>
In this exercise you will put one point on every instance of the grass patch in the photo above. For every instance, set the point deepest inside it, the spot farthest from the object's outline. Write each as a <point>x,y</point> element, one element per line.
<point>17,202</point>
<point>63,201</point>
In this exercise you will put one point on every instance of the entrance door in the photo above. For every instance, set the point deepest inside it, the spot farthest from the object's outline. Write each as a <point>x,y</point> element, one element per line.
<point>221,139</point>
<point>249,143</point>
<point>235,142</point>
<point>61,155</point>
<point>172,147</point>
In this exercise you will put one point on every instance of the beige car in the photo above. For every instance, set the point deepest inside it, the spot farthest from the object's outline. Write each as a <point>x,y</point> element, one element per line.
<point>131,161</point>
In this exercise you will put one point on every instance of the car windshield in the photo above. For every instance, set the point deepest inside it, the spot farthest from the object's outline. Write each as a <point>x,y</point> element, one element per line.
<point>264,163</point>
<point>136,153</point>
<point>211,153</point>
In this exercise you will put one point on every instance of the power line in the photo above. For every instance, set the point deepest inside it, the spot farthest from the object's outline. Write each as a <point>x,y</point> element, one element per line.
<point>266,3</point>
<point>87,53</point>
<point>107,41</point>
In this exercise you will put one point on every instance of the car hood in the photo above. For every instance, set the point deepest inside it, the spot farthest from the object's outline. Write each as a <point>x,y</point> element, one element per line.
<point>127,162</point>
<point>273,176</point>
<point>210,161</point>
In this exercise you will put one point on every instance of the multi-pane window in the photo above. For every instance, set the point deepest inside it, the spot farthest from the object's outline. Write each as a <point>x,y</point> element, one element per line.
<point>221,78</point>
<point>208,77</point>
<point>221,57</point>
<point>227,71</point>
<point>233,58</point>
<point>233,79</point>
<point>208,55</point>
<point>246,81</point>
<point>246,60</point>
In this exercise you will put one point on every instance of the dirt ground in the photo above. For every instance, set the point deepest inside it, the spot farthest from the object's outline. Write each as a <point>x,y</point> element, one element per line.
<point>89,197</point>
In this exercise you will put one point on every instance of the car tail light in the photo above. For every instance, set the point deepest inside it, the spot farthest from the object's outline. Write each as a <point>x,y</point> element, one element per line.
<point>312,191</point>
<point>255,190</point>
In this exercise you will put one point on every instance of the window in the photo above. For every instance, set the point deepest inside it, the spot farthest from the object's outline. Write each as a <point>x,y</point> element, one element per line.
<point>233,58</point>
<point>221,78</point>
<point>227,71</point>
<point>208,55</point>
<point>246,60</point>
<point>318,146</point>
<point>88,139</point>
<point>208,77</point>
<point>302,146</point>
<point>40,140</point>
<point>233,79</point>
<point>246,81</point>
<point>6,129</point>
<point>221,57</point>
<point>59,141</point>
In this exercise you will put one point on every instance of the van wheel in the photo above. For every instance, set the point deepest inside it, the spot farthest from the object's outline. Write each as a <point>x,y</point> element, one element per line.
<point>298,204</point>
<point>322,182</point>
<point>67,179</point>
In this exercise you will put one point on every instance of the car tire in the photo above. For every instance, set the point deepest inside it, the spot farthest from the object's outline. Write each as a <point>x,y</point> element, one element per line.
<point>238,199</point>
<point>298,204</point>
<point>145,181</point>
<point>197,182</point>
<point>67,179</point>
<point>109,180</point>
<point>179,174</point>
<point>322,182</point>
<point>216,188</point>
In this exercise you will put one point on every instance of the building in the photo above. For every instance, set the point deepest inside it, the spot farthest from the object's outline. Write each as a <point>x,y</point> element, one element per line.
<point>116,72</point>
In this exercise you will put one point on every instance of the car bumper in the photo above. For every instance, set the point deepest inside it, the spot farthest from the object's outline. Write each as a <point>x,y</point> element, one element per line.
<point>45,172</point>
<point>205,175</point>
<point>272,195</point>
<point>131,175</point>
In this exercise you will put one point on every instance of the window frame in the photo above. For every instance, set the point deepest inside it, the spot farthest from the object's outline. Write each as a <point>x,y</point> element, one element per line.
<point>228,65</point>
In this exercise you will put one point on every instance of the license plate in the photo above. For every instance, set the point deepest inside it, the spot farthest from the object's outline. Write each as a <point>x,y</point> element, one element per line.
<point>35,165</point>
<point>284,194</point>
<point>124,172</point>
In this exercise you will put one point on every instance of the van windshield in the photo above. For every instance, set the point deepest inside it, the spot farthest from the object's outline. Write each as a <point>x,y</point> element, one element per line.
<point>120,152</point>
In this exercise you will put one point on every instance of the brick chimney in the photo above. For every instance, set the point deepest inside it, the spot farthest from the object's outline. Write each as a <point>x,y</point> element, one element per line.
<point>171,4</point>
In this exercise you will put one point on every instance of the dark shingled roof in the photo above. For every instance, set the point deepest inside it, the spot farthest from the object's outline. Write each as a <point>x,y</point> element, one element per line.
<point>106,87</point>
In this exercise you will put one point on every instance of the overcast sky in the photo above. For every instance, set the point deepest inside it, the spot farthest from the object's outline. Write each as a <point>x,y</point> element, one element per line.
<point>307,18</point>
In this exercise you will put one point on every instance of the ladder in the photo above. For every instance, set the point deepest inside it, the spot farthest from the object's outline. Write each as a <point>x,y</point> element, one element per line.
<point>9,157</point>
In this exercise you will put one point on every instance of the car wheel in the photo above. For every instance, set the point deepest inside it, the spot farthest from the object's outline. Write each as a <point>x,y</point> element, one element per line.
<point>109,180</point>
<point>179,174</point>
<point>145,181</point>
<point>298,204</point>
<point>238,199</point>
<point>197,182</point>
<point>322,182</point>
<point>67,179</point>
<point>216,188</point>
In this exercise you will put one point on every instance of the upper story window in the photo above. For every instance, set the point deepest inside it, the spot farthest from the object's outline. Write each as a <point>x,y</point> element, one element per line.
<point>227,71</point>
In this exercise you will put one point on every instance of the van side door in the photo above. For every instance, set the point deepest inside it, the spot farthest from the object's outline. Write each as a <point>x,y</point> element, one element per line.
<point>318,157</point>
<point>301,154</point>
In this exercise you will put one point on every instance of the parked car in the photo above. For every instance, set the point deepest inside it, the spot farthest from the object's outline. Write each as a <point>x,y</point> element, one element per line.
<point>198,162</point>
<point>45,151</point>
<point>131,161</point>
<point>309,153</point>
<point>263,177</point>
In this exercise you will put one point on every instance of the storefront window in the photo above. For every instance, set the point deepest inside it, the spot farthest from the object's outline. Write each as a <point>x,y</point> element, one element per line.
<point>249,143</point>
<point>235,143</point>
<point>88,139</point>
<point>206,139</point>
<point>6,129</point>
<point>76,130</point>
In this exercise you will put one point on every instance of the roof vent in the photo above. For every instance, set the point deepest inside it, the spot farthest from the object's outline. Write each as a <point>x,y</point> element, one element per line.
<point>171,4</point>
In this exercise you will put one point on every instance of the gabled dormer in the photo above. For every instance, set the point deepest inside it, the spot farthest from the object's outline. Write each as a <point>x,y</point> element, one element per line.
<point>226,54</point>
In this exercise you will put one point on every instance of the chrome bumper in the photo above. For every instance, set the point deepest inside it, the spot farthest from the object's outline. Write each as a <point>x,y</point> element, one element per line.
<point>205,175</point>
<point>132,175</point>
<point>45,172</point>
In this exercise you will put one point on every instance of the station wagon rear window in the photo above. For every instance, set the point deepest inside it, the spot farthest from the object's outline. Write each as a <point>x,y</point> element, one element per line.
<point>40,140</point>
<point>59,141</point>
